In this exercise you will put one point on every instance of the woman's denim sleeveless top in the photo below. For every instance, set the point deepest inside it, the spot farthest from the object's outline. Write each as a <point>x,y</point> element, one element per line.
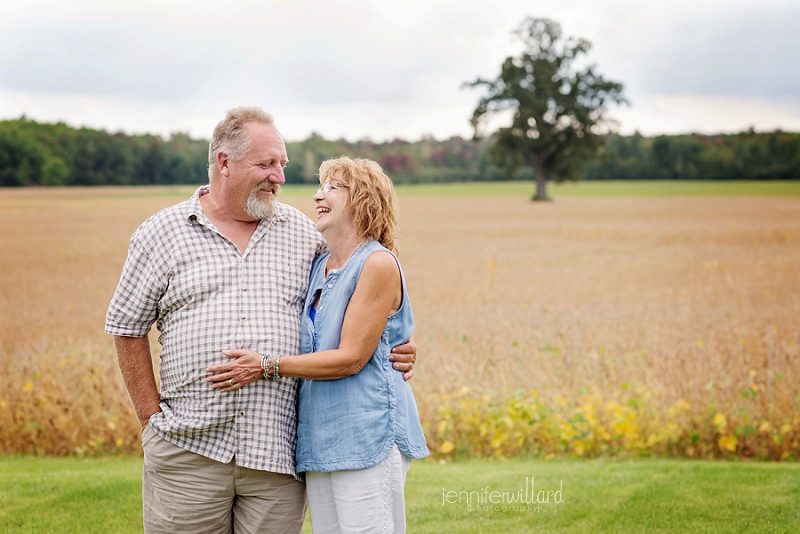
<point>353,422</point>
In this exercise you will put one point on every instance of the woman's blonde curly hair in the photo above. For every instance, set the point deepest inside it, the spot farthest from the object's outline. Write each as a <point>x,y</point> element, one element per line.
<point>373,203</point>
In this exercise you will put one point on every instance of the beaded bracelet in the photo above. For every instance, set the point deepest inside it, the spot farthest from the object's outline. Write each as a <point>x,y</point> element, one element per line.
<point>265,364</point>
<point>277,375</point>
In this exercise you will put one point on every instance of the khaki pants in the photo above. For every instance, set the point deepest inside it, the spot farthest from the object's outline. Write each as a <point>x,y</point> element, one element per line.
<point>185,492</point>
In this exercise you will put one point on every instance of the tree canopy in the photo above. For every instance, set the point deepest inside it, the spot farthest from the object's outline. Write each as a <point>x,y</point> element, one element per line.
<point>558,112</point>
<point>36,154</point>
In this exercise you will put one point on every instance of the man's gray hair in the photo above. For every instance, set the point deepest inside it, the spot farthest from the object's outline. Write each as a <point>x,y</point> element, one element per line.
<point>231,136</point>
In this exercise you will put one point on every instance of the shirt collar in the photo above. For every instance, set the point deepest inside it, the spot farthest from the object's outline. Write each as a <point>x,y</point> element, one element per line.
<point>194,210</point>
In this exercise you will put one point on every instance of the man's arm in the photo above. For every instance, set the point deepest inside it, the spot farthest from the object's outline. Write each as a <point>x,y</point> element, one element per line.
<point>136,365</point>
<point>404,358</point>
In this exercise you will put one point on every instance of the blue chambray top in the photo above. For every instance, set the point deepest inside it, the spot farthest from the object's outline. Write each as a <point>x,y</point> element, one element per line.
<point>353,422</point>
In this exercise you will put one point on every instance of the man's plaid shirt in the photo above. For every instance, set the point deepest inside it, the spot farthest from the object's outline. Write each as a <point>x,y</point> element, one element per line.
<point>206,296</point>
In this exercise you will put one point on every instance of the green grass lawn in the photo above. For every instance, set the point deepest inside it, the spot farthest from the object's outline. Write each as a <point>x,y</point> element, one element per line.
<point>70,495</point>
<point>581,189</point>
<point>104,495</point>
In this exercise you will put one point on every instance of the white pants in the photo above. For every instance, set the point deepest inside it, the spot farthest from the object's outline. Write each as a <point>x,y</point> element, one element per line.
<point>362,500</point>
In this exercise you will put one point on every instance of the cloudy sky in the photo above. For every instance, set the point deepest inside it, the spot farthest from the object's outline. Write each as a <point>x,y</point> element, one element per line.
<point>385,68</point>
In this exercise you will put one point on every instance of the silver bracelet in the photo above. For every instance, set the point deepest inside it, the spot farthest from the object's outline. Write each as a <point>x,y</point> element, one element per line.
<point>265,364</point>
<point>276,376</point>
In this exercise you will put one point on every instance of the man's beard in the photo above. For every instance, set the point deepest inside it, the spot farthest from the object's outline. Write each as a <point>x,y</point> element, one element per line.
<point>258,208</point>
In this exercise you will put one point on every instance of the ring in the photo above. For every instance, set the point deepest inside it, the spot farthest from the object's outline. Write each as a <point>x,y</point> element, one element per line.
<point>230,382</point>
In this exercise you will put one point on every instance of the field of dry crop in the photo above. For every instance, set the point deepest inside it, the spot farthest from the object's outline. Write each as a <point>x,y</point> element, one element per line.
<point>662,326</point>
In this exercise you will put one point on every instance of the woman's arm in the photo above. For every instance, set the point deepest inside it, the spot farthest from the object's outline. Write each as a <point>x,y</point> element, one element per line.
<point>377,295</point>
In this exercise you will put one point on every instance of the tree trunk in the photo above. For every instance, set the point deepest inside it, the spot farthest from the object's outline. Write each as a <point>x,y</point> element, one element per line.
<point>540,174</point>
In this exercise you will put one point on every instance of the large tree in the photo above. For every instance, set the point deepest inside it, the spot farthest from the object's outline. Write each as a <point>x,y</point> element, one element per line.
<point>558,112</point>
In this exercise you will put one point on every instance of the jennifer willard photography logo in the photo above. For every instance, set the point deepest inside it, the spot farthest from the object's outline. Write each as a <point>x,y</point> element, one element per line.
<point>487,500</point>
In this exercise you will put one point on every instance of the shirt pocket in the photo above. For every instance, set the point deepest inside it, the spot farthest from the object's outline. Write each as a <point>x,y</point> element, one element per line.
<point>195,281</point>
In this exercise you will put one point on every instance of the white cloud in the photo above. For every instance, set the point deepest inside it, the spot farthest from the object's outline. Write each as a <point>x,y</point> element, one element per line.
<point>113,114</point>
<point>708,114</point>
<point>387,68</point>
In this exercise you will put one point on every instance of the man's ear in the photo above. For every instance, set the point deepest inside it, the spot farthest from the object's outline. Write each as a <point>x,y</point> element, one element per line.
<point>222,163</point>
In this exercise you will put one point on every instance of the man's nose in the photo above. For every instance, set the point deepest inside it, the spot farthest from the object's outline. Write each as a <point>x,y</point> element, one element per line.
<point>278,177</point>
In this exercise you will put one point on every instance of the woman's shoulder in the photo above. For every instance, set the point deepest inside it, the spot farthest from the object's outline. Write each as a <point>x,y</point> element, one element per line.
<point>372,246</point>
<point>381,262</point>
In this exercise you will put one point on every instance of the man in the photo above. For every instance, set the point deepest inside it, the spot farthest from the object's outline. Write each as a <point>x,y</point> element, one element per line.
<point>226,269</point>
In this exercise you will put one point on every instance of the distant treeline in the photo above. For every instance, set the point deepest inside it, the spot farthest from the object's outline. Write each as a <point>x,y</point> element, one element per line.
<point>742,156</point>
<point>34,153</point>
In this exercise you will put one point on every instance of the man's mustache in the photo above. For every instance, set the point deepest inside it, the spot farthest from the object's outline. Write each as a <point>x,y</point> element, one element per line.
<point>268,186</point>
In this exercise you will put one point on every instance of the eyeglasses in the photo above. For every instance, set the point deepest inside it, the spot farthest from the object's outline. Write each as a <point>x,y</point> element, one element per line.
<point>329,186</point>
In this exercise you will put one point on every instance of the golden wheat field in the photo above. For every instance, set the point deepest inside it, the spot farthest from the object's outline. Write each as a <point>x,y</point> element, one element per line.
<point>645,326</point>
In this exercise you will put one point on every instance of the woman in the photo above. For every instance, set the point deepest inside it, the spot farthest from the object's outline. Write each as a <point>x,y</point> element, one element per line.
<point>358,425</point>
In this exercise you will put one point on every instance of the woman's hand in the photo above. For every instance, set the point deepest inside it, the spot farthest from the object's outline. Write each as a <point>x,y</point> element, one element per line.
<point>243,368</point>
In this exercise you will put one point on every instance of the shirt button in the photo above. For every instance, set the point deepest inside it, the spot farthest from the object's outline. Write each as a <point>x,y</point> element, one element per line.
<point>330,286</point>
<point>244,318</point>
<point>241,414</point>
<point>244,289</point>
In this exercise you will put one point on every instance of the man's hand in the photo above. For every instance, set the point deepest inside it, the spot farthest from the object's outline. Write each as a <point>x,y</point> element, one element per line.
<point>146,421</point>
<point>404,358</point>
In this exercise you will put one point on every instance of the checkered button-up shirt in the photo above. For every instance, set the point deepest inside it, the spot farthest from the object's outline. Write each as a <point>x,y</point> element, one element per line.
<point>206,296</point>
